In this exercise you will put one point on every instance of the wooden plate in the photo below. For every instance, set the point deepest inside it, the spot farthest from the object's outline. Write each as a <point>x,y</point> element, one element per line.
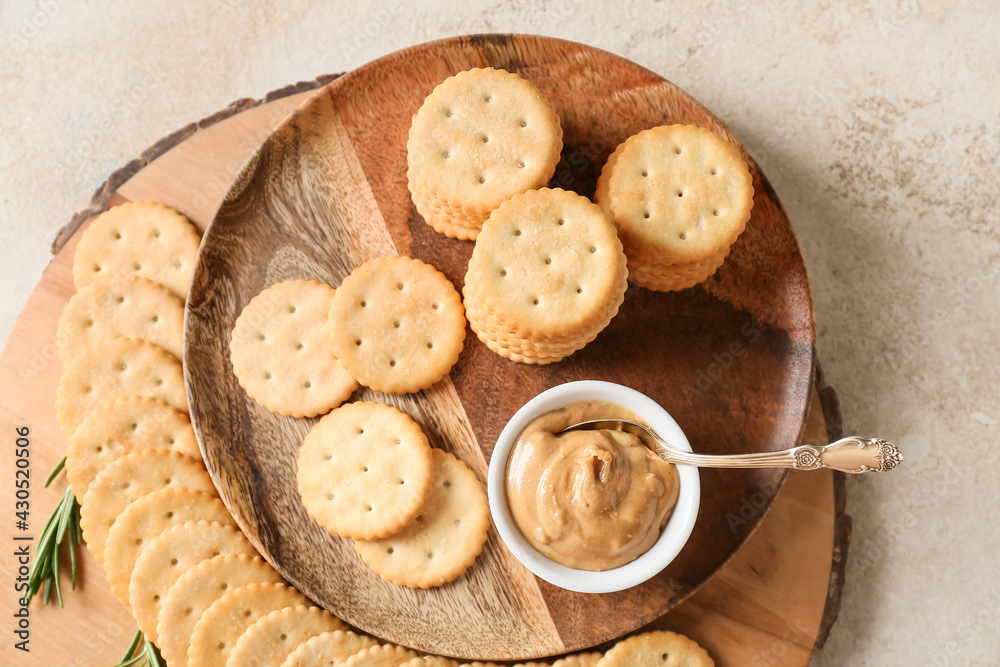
<point>731,360</point>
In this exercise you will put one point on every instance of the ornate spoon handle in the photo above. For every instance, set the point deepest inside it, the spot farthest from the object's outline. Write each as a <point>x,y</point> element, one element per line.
<point>852,454</point>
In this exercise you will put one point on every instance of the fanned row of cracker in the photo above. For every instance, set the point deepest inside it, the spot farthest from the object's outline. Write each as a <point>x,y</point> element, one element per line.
<point>670,203</point>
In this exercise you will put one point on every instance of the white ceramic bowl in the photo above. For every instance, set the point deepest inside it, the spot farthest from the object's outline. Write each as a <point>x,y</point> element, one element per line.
<point>675,534</point>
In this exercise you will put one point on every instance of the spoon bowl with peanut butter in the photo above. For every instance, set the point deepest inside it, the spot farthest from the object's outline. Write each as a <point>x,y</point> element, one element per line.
<point>852,454</point>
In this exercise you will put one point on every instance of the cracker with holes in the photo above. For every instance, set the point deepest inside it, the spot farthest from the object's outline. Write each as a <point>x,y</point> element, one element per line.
<point>195,591</point>
<point>479,138</point>
<point>282,354</point>
<point>219,628</point>
<point>579,660</point>
<point>659,648</point>
<point>110,369</point>
<point>548,273</point>
<point>398,324</point>
<point>328,649</point>
<point>126,306</point>
<point>365,470</point>
<point>144,519</point>
<point>170,555</point>
<point>138,238</point>
<point>444,540</point>
<point>680,196</point>
<point>122,426</point>
<point>432,661</point>
<point>386,655</point>
<point>273,638</point>
<point>130,477</point>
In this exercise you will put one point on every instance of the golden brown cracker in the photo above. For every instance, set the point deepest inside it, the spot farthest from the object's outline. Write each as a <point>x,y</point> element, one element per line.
<point>660,648</point>
<point>144,519</point>
<point>481,137</point>
<point>138,238</point>
<point>547,263</point>
<point>110,369</point>
<point>398,324</point>
<point>589,659</point>
<point>282,353</point>
<point>269,641</point>
<point>170,555</point>
<point>121,306</point>
<point>329,649</point>
<point>444,540</point>
<point>130,477</point>
<point>680,192</point>
<point>121,426</point>
<point>195,591</point>
<point>221,626</point>
<point>365,470</point>
<point>386,655</point>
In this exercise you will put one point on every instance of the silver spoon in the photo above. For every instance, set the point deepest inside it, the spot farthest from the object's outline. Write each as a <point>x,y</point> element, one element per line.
<point>852,454</point>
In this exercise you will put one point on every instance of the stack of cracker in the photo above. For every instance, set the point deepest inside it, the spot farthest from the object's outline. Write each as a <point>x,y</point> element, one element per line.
<point>546,276</point>
<point>480,137</point>
<point>679,195</point>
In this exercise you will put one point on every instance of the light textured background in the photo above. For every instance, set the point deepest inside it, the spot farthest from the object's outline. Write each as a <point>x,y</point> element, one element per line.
<point>878,124</point>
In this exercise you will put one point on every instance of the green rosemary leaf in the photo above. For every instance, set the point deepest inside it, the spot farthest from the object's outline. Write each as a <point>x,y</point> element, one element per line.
<point>55,472</point>
<point>153,658</point>
<point>55,573</point>
<point>44,574</point>
<point>128,658</point>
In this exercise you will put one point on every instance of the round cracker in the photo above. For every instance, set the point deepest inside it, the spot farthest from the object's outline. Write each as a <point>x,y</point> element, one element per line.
<point>138,238</point>
<point>170,555</point>
<point>110,369</point>
<point>328,649</point>
<point>130,477</point>
<point>659,648</point>
<point>124,425</point>
<point>548,265</point>
<point>144,519</point>
<point>481,137</point>
<point>677,277</point>
<point>386,655</point>
<point>365,470</point>
<point>282,354</point>
<point>444,540</point>
<point>679,192</point>
<point>398,324</point>
<point>195,591</point>
<point>579,660</point>
<point>219,628</point>
<point>269,641</point>
<point>432,661</point>
<point>121,306</point>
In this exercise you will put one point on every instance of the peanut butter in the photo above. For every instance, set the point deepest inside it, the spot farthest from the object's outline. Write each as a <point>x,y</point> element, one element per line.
<point>590,500</point>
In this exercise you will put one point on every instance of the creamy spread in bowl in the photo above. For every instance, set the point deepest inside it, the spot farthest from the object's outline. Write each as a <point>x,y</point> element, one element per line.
<point>649,562</point>
<point>588,499</point>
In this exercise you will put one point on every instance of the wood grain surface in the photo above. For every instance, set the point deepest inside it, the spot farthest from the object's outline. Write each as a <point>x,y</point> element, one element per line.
<point>732,360</point>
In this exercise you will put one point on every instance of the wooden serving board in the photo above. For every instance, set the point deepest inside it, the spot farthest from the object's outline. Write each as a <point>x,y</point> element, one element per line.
<point>327,191</point>
<point>771,603</point>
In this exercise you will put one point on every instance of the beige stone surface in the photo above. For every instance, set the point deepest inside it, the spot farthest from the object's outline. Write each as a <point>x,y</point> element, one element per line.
<point>877,123</point>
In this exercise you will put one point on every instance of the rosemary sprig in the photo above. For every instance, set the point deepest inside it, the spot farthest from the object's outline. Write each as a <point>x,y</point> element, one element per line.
<point>149,653</point>
<point>65,520</point>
